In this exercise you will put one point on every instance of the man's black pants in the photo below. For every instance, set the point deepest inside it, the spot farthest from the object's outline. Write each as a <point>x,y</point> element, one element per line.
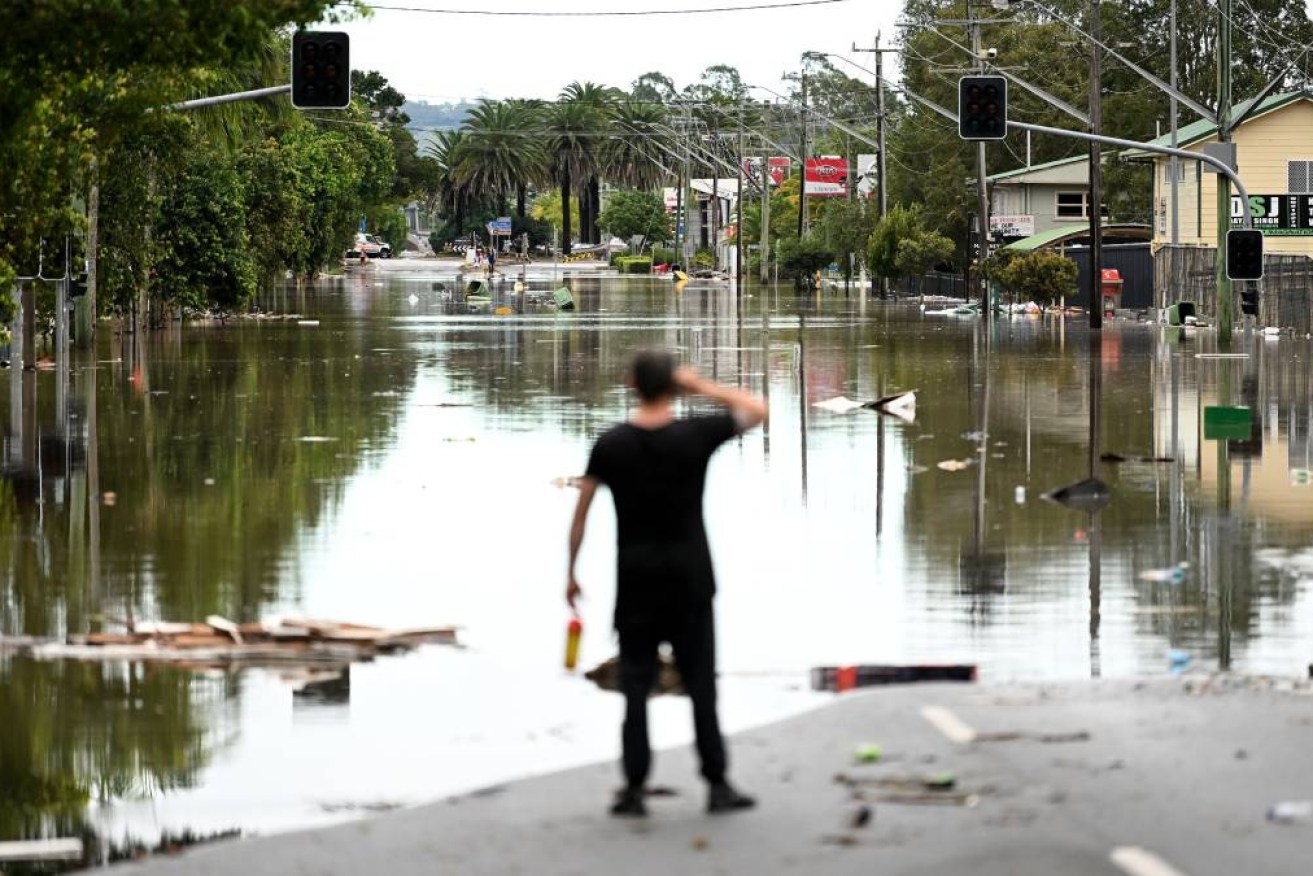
<point>691,632</point>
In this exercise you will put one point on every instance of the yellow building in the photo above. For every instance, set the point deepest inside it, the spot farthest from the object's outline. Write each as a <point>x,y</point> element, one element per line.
<point>1274,157</point>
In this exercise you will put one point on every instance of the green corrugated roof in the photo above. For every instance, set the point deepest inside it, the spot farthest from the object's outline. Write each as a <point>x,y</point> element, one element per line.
<point>1036,241</point>
<point>1007,174</point>
<point>1044,238</point>
<point>1204,129</point>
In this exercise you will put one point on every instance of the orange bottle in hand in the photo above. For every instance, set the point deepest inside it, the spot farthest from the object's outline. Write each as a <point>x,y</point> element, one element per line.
<point>573,631</point>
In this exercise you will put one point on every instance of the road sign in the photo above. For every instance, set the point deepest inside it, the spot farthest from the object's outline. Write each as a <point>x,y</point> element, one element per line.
<point>1227,423</point>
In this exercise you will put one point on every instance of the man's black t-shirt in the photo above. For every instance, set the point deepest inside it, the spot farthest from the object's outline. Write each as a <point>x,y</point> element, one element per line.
<point>656,478</point>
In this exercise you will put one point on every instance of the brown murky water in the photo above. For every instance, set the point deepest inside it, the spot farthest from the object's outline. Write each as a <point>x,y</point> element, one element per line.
<point>388,458</point>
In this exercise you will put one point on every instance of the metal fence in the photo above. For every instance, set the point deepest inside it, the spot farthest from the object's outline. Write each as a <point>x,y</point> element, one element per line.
<point>1189,273</point>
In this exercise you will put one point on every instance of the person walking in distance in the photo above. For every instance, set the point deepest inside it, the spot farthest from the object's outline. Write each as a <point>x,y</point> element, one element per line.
<point>655,466</point>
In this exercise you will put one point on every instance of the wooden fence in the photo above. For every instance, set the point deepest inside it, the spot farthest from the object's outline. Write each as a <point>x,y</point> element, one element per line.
<point>1189,273</point>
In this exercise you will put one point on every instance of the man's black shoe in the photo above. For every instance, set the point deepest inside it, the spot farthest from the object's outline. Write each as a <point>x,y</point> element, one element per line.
<point>629,804</point>
<point>723,798</point>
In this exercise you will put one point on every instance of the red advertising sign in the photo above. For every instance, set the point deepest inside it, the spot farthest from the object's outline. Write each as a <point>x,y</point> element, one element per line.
<point>777,168</point>
<point>827,177</point>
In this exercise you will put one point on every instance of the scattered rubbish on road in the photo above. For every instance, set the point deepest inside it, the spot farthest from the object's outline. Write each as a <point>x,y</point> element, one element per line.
<point>700,844</point>
<point>1090,494</point>
<point>929,798</point>
<point>566,481</point>
<point>220,643</point>
<point>861,817</point>
<point>1015,735</point>
<point>1170,575</point>
<point>953,464</point>
<point>840,839</point>
<point>842,678</point>
<point>1290,811</point>
<point>868,752</point>
<point>1178,660</point>
<point>606,675</point>
<point>903,784</point>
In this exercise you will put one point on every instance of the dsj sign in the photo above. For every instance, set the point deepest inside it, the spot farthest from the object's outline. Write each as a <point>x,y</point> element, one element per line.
<point>1276,214</point>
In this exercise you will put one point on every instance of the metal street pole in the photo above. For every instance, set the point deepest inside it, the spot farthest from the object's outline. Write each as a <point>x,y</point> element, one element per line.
<point>802,150</point>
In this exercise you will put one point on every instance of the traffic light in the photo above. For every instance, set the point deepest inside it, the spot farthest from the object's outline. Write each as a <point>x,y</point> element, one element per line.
<point>982,108</point>
<point>321,70</point>
<point>1249,299</point>
<point>1244,254</point>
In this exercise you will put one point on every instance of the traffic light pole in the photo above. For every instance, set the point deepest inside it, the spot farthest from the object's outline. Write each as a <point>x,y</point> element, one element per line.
<point>231,98</point>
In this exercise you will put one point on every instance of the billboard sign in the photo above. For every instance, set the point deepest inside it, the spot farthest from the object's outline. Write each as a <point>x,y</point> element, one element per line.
<point>500,227</point>
<point>1277,215</point>
<point>827,177</point>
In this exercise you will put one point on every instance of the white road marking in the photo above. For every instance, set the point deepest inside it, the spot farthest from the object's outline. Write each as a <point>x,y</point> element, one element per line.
<point>1140,862</point>
<point>949,724</point>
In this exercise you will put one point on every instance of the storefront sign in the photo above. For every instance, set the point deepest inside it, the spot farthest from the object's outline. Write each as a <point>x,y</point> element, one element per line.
<point>1019,225</point>
<point>1276,214</point>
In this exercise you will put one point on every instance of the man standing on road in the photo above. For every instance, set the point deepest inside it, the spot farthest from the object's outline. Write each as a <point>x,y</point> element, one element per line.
<point>655,466</point>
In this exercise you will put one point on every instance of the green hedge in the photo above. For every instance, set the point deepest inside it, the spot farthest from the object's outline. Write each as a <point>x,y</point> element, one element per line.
<point>633,264</point>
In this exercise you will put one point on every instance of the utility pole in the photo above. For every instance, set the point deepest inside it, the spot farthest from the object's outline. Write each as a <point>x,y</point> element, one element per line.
<point>1096,168</point>
<point>802,156</point>
<point>1174,163</point>
<point>982,190</point>
<point>1224,303</point>
<point>765,216</point>
<point>883,201</point>
<point>738,209</point>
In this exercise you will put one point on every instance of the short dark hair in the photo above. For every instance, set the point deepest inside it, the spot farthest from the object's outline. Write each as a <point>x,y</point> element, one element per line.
<point>653,373</point>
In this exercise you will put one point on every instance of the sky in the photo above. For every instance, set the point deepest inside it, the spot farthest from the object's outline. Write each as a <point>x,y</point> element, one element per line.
<point>441,58</point>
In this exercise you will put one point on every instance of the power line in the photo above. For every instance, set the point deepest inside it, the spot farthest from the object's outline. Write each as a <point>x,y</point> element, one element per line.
<point>609,13</point>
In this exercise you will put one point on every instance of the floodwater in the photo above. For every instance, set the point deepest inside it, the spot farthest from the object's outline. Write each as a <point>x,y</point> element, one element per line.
<point>388,457</point>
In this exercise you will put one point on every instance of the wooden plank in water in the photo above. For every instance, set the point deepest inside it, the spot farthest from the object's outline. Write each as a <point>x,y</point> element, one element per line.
<point>62,849</point>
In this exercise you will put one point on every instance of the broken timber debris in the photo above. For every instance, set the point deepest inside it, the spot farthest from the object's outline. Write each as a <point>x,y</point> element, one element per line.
<point>221,642</point>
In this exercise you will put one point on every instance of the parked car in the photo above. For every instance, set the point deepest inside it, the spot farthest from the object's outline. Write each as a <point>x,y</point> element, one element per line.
<point>366,245</point>
<point>384,248</point>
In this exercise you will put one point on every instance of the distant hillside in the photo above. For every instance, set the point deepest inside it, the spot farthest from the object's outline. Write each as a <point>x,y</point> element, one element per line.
<point>435,116</point>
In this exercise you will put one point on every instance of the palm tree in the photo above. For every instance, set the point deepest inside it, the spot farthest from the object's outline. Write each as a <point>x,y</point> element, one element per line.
<point>501,154</point>
<point>451,199</point>
<point>597,101</point>
<point>568,127</point>
<point>635,155</point>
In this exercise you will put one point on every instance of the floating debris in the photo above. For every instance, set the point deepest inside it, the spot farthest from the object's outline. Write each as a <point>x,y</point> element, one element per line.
<point>1170,575</point>
<point>841,678</point>
<point>1090,494</point>
<point>1117,457</point>
<point>953,464</point>
<point>220,642</point>
<point>606,675</point>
